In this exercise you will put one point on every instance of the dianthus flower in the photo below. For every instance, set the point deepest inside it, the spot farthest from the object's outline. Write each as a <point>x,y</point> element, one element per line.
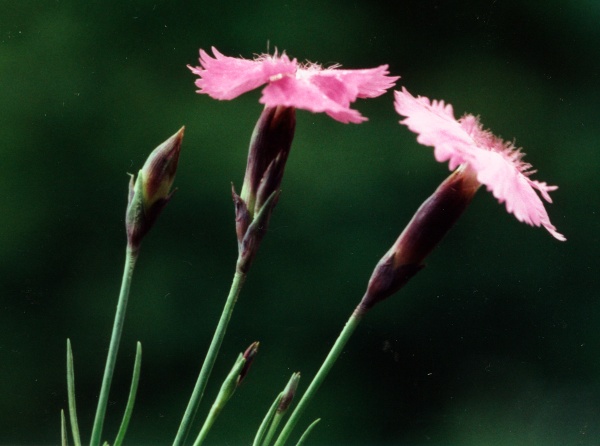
<point>291,84</point>
<point>496,163</point>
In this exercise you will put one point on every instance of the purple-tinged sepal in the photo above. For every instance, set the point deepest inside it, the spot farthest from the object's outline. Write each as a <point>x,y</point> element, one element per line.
<point>242,216</point>
<point>255,233</point>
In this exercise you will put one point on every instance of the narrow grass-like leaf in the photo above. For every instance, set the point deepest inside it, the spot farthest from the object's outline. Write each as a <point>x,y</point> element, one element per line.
<point>71,395</point>
<point>307,432</point>
<point>63,429</point>
<point>132,392</point>
<point>266,421</point>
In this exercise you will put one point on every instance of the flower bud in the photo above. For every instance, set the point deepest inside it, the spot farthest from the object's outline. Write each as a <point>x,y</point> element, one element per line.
<point>249,356</point>
<point>151,190</point>
<point>236,375</point>
<point>288,393</point>
<point>426,229</point>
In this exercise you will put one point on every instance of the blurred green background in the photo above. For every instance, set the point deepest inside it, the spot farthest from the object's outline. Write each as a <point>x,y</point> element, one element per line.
<point>497,342</point>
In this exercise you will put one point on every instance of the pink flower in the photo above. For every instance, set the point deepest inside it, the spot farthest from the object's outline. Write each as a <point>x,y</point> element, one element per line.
<point>496,163</point>
<point>290,84</point>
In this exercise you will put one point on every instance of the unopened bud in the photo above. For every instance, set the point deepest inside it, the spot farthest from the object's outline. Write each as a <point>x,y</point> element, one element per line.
<point>237,373</point>
<point>249,356</point>
<point>426,229</point>
<point>288,393</point>
<point>151,190</point>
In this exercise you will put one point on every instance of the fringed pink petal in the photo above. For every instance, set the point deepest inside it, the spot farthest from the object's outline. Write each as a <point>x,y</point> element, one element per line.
<point>497,164</point>
<point>435,126</point>
<point>366,83</point>
<point>309,87</point>
<point>313,94</point>
<point>509,185</point>
<point>223,77</point>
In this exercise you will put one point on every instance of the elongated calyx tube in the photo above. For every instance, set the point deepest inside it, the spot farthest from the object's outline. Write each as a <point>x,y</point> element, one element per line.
<point>150,192</point>
<point>429,225</point>
<point>269,149</point>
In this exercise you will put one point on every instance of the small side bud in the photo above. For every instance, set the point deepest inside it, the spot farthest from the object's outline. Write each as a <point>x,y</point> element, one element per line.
<point>236,375</point>
<point>151,190</point>
<point>426,229</point>
<point>288,393</point>
<point>249,356</point>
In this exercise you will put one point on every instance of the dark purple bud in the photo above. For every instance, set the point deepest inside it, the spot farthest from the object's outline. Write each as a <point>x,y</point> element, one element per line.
<point>248,355</point>
<point>288,393</point>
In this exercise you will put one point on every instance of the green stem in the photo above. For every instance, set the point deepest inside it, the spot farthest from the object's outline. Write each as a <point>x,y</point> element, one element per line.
<point>208,423</point>
<point>209,361</point>
<point>333,355</point>
<point>273,428</point>
<point>130,259</point>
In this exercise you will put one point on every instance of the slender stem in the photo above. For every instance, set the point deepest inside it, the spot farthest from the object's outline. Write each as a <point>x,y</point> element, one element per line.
<point>130,259</point>
<point>209,361</point>
<point>208,423</point>
<point>273,428</point>
<point>334,353</point>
